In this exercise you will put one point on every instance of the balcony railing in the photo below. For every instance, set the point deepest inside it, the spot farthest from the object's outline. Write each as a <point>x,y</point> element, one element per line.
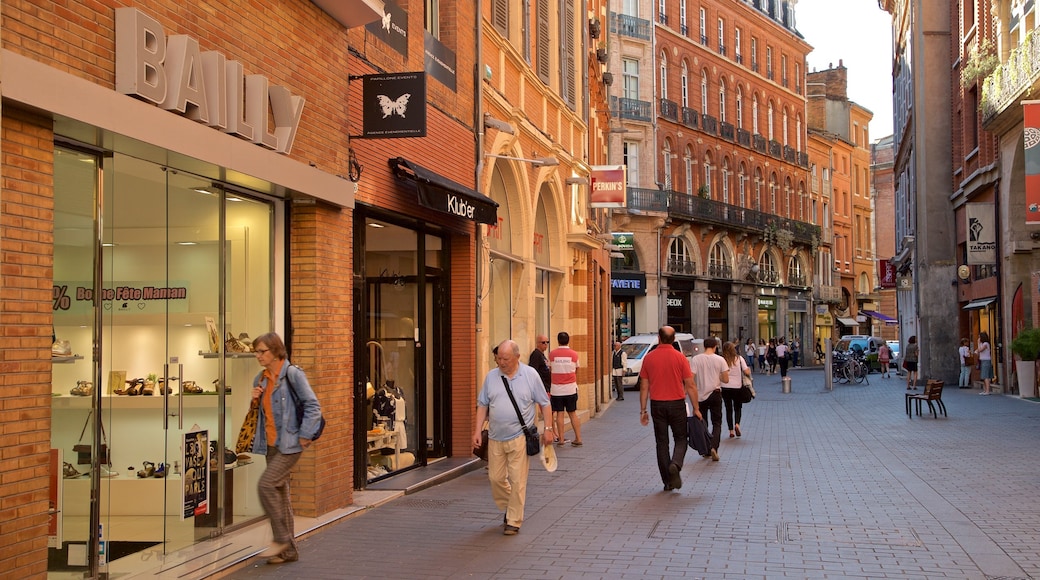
<point>626,25</point>
<point>662,18</point>
<point>727,130</point>
<point>831,294</point>
<point>709,124</point>
<point>796,280</point>
<point>775,149</point>
<point>631,109</point>
<point>769,75</point>
<point>698,209</point>
<point>790,154</point>
<point>684,29</point>
<point>754,66</point>
<point>803,159</point>
<point>669,109</point>
<point>1005,85</point>
<point>740,58</point>
<point>704,39</point>
<point>720,271</point>
<point>690,117</point>
<point>759,143</point>
<point>744,137</point>
<point>682,267</point>
<point>722,49</point>
<point>769,277</point>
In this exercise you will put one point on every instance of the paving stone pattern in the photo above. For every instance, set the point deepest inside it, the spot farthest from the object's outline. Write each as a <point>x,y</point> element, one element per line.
<point>823,484</point>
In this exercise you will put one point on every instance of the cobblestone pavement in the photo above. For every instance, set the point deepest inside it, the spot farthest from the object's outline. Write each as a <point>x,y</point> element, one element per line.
<point>823,484</point>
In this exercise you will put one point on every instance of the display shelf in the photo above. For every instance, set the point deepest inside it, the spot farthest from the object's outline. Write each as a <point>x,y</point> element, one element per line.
<point>205,354</point>
<point>138,402</point>
<point>66,359</point>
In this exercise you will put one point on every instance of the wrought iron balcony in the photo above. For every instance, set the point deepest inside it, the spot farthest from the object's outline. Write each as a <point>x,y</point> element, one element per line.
<point>790,154</point>
<point>775,149</point>
<point>727,130</point>
<point>769,75</point>
<point>669,109</point>
<point>709,124</point>
<point>722,49</point>
<point>630,109</point>
<point>769,277</point>
<point>682,267</point>
<point>684,29</point>
<point>830,294</point>
<point>740,58</point>
<point>803,159</point>
<point>744,137</point>
<point>754,66</point>
<point>1012,80</point>
<point>662,18</point>
<point>626,25</point>
<point>690,117</point>
<point>759,143</point>
<point>797,280</point>
<point>720,271</point>
<point>704,39</point>
<point>697,209</point>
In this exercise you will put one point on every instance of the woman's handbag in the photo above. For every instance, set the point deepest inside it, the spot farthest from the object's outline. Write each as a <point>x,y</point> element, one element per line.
<point>534,445</point>
<point>747,388</point>
<point>248,430</point>
<point>969,359</point>
<point>83,450</point>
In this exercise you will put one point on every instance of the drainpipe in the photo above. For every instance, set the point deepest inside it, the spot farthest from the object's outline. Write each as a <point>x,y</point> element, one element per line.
<point>478,153</point>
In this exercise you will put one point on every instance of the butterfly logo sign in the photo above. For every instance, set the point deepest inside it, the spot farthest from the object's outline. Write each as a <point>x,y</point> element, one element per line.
<point>391,106</point>
<point>386,22</point>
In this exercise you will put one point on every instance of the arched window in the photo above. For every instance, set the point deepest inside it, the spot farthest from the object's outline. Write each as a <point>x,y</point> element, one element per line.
<point>722,100</point>
<point>742,184</point>
<point>795,275</point>
<point>769,120</point>
<point>679,261</point>
<point>685,86</point>
<point>719,264</point>
<point>767,269</point>
<point>704,92</point>
<point>725,181</point>
<point>740,108</point>
<point>664,76</point>
<point>754,114</point>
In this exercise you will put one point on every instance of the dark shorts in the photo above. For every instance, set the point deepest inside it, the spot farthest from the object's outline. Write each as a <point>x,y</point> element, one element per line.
<point>911,366</point>
<point>567,403</point>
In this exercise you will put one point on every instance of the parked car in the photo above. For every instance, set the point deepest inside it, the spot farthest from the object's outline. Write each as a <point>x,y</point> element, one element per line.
<point>867,345</point>
<point>637,346</point>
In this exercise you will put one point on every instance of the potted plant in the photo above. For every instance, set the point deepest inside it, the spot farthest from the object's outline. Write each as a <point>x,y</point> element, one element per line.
<point>1026,347</point>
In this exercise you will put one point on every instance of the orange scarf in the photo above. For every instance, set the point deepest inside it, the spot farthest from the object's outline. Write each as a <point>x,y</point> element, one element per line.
<point>269,426</point>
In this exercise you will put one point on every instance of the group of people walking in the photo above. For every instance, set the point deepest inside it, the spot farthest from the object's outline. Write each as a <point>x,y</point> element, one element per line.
<point>777,352</point>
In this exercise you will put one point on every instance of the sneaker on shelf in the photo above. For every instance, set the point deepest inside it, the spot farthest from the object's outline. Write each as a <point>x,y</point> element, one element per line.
<point>106,471</point>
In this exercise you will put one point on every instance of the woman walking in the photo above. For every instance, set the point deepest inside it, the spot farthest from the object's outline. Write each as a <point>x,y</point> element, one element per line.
<point>282,436</point>
<point>910,362</point>
<point>738,369</point>
<point>749,353</point>
<point>761,355</point>
<point>771,356</point>
<point>964,354</point>
<point>985,362</point>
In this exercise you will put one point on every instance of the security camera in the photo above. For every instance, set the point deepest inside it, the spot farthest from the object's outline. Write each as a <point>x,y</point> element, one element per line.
<point>1035,236</point>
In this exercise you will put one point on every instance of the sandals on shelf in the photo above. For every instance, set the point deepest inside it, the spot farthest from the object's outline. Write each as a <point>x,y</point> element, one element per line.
<point>191,388</point>
<point>148,471</point>
<point>68,471</point>
<point>83,389</point>
<point>134,388</point>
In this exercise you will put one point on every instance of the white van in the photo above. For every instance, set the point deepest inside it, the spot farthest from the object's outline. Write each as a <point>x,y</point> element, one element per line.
<point>637,346</point>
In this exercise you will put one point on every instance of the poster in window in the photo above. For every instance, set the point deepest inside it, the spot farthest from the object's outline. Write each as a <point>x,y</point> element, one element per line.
<point>196,474</point>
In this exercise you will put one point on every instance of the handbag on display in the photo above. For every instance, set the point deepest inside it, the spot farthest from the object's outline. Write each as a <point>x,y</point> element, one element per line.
<point>248,431</point>
<point>534,445</point>
<point>83,450</point>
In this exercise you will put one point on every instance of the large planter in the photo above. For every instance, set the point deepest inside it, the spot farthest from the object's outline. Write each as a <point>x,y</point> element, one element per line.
<point>1026,371</point>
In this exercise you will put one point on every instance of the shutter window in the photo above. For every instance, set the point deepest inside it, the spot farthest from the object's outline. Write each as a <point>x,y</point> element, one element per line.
<point>500,16</point>
<point>542,50</point>
<point>570,72</point>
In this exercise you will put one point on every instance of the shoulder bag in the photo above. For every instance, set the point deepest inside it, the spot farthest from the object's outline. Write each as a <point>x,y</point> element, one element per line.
<point>969,359</point>
<point>83,450</point>
<point>531,433</point>
<point>244,444</point>
<point>300,410</point>
<point>747,386</point>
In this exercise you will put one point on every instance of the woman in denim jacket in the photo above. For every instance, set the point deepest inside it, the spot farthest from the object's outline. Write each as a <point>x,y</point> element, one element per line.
<point>281,437</point>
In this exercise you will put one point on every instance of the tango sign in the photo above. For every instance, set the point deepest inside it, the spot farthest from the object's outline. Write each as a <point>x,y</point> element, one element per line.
<point>205,86</point>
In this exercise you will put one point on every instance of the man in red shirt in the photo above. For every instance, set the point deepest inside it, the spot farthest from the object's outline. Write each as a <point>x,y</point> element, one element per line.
<point>563,360</point>
<point>665,381</point>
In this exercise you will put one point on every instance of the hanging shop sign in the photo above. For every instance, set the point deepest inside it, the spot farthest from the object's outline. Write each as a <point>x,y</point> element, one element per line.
<point>440,60</point>
<point>766,303</point>
<point>1031,135</point>
<point>392,28</point>
<point>627,284</point>
<point>608,184</point>
<point>623,240</point>
<point>394,105</point>
<point>982,235</point>
<point>887,273</point>
<point>204,86</point>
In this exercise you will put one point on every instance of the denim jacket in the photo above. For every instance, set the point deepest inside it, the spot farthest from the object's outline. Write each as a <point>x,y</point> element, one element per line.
<point>289,428</point>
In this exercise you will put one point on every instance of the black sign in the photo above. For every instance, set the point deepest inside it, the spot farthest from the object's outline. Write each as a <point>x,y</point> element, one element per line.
<point>627,284</point>
<point>442,194</point>
<point>392,28</point>
<point>440,61</point>
<point>394,105</point>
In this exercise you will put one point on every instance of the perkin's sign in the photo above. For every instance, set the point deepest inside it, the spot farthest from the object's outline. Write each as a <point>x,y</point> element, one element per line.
<point>203,86</point>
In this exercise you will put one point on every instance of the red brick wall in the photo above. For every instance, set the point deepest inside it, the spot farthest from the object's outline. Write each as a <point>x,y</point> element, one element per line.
<point>26,273</point>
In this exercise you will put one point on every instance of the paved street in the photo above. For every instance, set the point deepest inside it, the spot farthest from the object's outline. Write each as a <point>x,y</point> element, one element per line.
<point>823,484</point>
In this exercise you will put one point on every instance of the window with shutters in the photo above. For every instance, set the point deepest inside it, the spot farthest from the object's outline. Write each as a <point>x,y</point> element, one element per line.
<point>543,40</point>
<point>568,66</point>
<point>500,16</point>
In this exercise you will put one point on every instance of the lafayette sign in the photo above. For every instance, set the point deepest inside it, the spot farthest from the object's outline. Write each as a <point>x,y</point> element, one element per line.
<point>204,86</point>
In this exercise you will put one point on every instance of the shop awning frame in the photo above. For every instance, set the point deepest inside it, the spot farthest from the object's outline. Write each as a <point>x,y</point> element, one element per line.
<point>878,316</point>
<point>979,303</point>
<point>850,322</point>
<point>442,194</point>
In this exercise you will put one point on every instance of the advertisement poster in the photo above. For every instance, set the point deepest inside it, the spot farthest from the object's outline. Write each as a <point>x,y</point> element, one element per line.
<point>196,474</point>
<point>982,235</point>
<point>1031,137</point>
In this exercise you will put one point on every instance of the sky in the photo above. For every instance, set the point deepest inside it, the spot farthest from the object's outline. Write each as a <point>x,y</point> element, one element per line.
<point>859,34</point>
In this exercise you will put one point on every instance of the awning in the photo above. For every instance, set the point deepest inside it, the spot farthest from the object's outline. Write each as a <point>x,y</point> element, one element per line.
<point>980,303</point>
<point>442,194</point>
<point>850,322</point>
<point>882,317</point>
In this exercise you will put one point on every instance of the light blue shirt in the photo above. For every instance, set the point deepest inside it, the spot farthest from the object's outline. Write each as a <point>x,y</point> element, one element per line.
<point>529,393</point>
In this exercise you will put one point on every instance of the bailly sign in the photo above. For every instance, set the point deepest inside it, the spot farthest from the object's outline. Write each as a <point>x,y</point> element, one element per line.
<point>204,86</point>
<point>607,185</point>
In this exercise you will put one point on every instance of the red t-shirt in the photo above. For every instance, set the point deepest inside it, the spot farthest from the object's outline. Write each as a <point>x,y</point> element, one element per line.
<point>665,368</point>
